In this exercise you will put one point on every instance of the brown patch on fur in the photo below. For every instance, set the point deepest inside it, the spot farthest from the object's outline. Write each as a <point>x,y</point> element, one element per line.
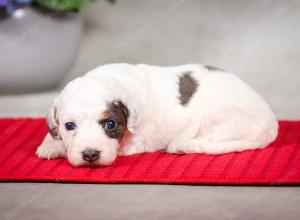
<point>53,126</point>
<point>187,87</point>
<point>53,132</point>
<point>118,112</point>
<point>212,68</point>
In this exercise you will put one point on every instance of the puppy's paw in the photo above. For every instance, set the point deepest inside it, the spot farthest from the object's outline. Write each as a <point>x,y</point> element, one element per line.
<point>189,146</point>
<point>130,150</point>
<point>46,151</point>
<point>51,149</point>
<point>176,148</point>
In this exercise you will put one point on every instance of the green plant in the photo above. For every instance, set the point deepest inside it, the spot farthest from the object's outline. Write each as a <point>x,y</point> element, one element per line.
<point>65,5</point>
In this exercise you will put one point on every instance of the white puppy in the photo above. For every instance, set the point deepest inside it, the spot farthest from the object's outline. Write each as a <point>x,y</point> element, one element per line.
<point>127,109</point>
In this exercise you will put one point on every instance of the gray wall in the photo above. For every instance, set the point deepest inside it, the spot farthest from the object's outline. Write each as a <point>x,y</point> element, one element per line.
<point>258,40</point>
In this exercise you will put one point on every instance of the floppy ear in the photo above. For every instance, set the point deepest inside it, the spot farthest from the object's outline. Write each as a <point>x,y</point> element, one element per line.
<point>52,122</point>
<point>132,118</point>
<point>121,106</point>
<point>130,112</point>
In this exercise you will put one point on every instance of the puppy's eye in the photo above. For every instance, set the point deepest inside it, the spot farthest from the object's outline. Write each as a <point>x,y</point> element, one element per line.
<point>109,125</point>
<point>70,126</point>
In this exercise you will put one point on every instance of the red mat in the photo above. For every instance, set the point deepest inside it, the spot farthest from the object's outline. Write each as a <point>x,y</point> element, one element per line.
<point>278,164</point>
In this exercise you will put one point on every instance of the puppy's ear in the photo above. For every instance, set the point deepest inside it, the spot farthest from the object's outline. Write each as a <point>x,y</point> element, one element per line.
<point>120,105</point>
<point>132,119</point>
<point>52,122</point>
<point>130,112</point>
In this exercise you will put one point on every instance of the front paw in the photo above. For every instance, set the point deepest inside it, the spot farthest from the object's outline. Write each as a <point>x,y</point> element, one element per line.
<point>130,150</point>
<point>175,148</point>
<point>50,150</point>
<point>189,146</point>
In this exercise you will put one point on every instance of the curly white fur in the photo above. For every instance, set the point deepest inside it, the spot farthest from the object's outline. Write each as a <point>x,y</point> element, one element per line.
<point>223,115</point>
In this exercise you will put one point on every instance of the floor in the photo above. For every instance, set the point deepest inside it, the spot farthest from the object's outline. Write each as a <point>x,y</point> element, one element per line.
<point>37,201</point>
<point>255,39</point>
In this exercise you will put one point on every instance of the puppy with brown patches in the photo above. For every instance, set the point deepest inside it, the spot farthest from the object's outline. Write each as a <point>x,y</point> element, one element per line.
<point>123,109</point>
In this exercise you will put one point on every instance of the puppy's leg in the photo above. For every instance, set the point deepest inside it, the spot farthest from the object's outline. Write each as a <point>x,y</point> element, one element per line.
<point>130,150</point>
<point>204,146</point>
<point>228,135</point>
<point>51,148</point>
<point>188,146</point>
<point>135,146</point>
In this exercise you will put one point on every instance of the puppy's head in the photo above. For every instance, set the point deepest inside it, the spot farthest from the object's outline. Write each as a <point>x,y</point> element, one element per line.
<point>90,126</point>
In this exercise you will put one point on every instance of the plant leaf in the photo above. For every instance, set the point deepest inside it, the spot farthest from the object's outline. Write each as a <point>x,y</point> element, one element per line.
<point>63,5</point>
<point>112,1</point>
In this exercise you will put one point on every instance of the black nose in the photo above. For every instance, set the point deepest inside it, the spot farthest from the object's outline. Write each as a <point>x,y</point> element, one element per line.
<point>90,155</point>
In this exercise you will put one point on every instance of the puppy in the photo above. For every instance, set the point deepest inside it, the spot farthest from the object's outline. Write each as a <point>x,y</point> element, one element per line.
<point>123,109</point>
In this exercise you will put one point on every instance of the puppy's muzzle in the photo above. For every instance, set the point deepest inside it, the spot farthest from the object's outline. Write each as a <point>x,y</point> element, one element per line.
<point>90,155</point>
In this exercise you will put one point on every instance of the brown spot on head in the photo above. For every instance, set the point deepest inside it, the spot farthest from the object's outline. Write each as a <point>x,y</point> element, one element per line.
<point>212,68</point>
<point>187,87</point>
<point>118,113</point>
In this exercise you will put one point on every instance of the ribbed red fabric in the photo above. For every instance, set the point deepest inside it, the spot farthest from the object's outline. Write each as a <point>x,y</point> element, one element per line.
<point>278,164</point>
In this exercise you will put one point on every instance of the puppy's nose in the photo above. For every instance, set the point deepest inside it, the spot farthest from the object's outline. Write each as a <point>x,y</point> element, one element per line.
<point>90,155</point>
